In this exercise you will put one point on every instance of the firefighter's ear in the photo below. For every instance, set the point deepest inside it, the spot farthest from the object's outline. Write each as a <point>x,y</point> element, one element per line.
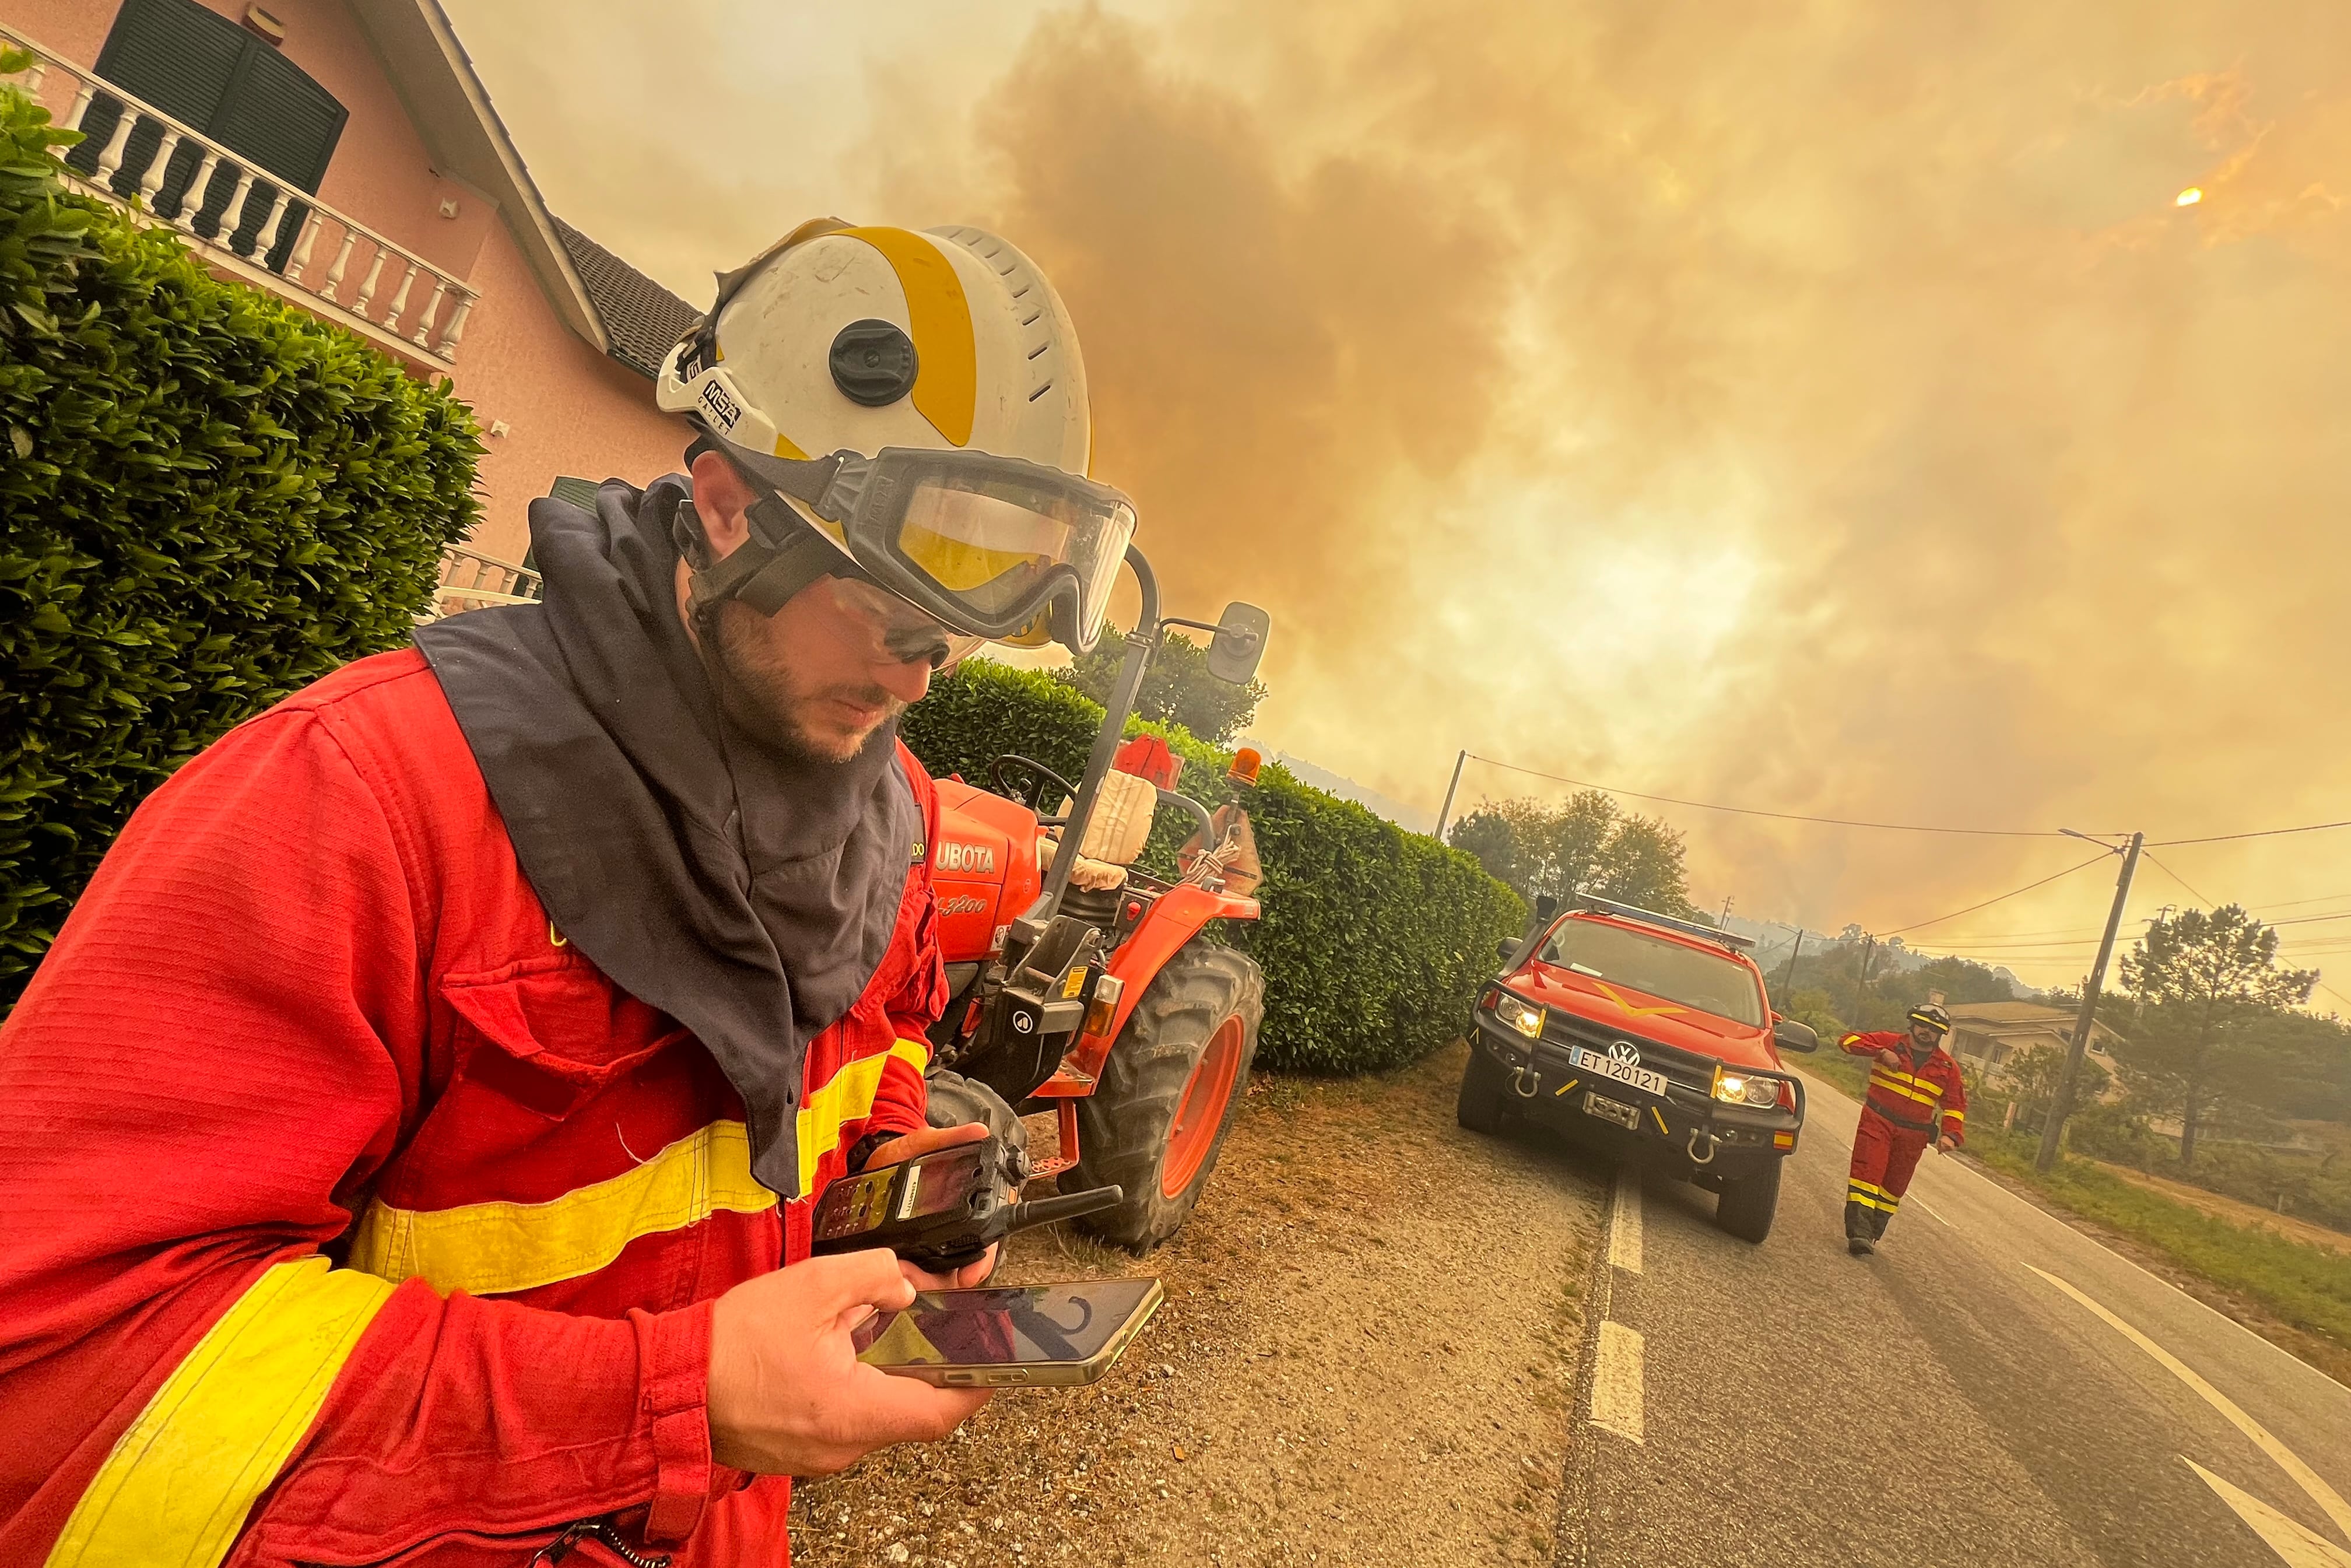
<point>723,499</point>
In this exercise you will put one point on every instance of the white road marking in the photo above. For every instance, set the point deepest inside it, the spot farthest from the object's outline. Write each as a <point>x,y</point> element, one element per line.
<point>2297,1546</point>
<point>1922,1203</point>
<point>1616,1381</point>
<point>2054,1216</point>
<point>1624,1224</point>
<point>2329,1501</point>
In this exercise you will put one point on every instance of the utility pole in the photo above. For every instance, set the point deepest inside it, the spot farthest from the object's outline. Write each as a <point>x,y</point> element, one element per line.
<point>1721,920</point>
<point>2063,1106</point>
<point>1861,978</point>
<point>1446,810</point>
<point>1788,986</point>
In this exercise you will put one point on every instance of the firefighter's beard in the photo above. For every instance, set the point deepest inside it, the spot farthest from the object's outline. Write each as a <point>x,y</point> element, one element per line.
<point>779,706</point>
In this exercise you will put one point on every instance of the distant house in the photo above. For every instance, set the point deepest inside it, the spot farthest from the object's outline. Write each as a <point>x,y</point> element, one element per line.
<point>1989,1035</point>
<point>342,154</point>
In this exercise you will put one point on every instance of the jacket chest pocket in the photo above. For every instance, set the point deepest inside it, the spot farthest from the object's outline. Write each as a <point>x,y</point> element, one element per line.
<point>550,1033</point>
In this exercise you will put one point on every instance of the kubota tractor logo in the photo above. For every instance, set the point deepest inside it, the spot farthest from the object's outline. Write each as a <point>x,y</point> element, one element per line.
<point>953,856</point>
<point>1624,1053</point>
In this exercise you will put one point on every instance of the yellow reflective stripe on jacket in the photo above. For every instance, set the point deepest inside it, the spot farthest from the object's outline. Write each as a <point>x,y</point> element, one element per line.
<point>1955,1115</point>
<point>176,1489</point>
<point>849,1097</point>
<point>1883,1082</point>
<point>497,1247</point>
<point>491,1247</point>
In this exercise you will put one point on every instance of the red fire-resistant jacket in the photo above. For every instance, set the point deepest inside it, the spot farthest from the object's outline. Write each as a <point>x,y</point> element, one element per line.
<point>346,1211</point>
<point>1929,1097</point>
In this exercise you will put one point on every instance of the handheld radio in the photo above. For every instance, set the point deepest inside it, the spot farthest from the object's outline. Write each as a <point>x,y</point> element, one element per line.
<point>944,1209</point>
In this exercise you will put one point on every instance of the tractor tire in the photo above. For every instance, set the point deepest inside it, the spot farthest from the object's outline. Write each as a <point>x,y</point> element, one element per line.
<point>1746,1206</point>
<point>1169,1089</point>
<point>1485,1091</point>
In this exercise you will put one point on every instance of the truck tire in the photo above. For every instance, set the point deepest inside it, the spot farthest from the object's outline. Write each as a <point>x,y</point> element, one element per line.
<point>1172,1085</point>
<point>1484,1086</point>
<point>1747,1204</point>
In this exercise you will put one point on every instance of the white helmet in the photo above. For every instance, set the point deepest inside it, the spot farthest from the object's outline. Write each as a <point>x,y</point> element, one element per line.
<point>915,402</point>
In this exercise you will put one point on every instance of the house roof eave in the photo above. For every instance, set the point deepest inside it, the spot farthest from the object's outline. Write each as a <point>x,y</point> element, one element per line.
<point>429,68</point>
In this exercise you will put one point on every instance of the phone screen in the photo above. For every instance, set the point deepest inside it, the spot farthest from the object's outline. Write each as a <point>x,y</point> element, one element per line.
<point>940,1185</point>
<point>1025,1324</point>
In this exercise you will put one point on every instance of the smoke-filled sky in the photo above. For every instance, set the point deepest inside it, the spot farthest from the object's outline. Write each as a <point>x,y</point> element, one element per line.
<point>1827,409</point>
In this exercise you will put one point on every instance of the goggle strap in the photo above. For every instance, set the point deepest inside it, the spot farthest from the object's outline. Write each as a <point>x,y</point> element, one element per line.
<point>803,559</point>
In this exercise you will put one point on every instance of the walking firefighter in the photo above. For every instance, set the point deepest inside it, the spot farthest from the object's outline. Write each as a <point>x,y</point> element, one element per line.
<point>1914,1096</point>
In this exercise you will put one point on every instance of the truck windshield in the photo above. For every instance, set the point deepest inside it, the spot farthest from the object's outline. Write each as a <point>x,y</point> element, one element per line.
<point>1662,968</point>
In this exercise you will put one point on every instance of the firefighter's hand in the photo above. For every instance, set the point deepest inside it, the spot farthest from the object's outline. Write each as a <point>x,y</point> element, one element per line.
<point>1889,1058</point>
<point>1945,1146</point>
<point>970,1276</point>
<point>788,1395</point>
<point>923,1142</point>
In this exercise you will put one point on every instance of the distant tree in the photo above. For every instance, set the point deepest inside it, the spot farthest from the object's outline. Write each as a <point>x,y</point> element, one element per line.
<point>1813,1007</point>
<point>1178,688</point>
<point>1961,980</point>
<point>2029,1080</point>
<point>2212,995</point>
<point>1588,845</point>
<point>1641,864</point>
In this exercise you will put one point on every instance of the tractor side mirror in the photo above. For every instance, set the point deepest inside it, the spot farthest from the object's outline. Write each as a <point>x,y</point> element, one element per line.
<point>1790,1035</point>
<point>1240,644</point>
<point>1506,949</point>
<point>1545,907</point>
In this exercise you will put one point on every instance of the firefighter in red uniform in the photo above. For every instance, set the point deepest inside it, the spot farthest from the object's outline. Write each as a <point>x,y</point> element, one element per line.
<point>406,1149</point>
<point>1916,1097</point>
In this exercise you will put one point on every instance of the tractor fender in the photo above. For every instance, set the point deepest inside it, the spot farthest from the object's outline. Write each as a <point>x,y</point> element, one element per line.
<point>1181,913</point>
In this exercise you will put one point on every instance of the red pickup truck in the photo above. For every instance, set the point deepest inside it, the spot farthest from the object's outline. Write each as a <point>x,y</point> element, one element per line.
<point>1647,1035</point>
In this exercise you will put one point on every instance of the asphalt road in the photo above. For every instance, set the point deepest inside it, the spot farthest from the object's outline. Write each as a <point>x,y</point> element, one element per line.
<point>1991,1388</point>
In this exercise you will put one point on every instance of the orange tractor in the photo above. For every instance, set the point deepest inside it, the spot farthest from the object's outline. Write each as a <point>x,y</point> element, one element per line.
<point>1081,985</point>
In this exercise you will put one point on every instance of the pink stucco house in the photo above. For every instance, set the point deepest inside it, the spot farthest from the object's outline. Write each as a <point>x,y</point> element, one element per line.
<point>343,153</point>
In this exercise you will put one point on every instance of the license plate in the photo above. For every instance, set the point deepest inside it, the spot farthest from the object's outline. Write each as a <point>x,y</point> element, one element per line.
<point>1646,1080</point>
<point>1610,1111</point>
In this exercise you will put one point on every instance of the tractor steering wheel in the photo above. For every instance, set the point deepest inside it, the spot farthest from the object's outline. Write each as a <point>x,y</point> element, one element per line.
<point>996,771</point>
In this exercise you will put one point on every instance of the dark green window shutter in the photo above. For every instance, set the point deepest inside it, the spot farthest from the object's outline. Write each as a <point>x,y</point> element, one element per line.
<point>580,493</point>
<point>203,69</point>
<point>275,115</point>
<point>175,54</point>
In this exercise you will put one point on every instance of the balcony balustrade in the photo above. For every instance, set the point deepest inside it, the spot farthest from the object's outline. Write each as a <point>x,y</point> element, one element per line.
<point>470,580</point>
<point>239,220</point>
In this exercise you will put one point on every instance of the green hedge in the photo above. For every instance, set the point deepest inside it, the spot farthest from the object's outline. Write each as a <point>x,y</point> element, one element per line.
<point>1373,940</point>
<point>208,498</point>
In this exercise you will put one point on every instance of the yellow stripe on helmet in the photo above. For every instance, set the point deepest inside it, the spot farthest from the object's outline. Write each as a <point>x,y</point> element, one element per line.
<point>947,350</point>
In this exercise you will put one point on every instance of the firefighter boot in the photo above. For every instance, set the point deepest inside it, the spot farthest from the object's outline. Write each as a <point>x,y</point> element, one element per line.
<point>1857,1236</point>
<point>1878,1220</point>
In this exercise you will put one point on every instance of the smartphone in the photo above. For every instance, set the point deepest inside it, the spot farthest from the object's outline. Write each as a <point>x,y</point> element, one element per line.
<point>1034,1336</point>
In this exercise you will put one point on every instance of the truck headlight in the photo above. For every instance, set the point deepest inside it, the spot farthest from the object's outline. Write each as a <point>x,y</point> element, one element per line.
<point>1735,1089</point>
<point>1524,1017</point>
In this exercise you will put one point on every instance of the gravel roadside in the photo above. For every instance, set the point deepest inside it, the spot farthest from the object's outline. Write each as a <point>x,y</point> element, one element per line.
<point>1365,1357</point>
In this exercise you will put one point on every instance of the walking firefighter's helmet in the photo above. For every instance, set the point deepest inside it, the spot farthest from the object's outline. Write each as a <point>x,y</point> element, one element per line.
<point>1932,1015</point>
<point>910,409</point>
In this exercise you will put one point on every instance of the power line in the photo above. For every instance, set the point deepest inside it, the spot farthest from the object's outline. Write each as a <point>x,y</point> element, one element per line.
<point>2262,833</point>
<point>1776,816</point>
<point>2184,882</point>
<point>1988,903</point>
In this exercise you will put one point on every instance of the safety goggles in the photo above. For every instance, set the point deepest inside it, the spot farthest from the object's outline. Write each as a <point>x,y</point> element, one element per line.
<point>989,546</point>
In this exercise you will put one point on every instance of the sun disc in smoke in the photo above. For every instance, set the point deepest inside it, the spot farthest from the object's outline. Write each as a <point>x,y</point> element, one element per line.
<point>2189,197</point>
